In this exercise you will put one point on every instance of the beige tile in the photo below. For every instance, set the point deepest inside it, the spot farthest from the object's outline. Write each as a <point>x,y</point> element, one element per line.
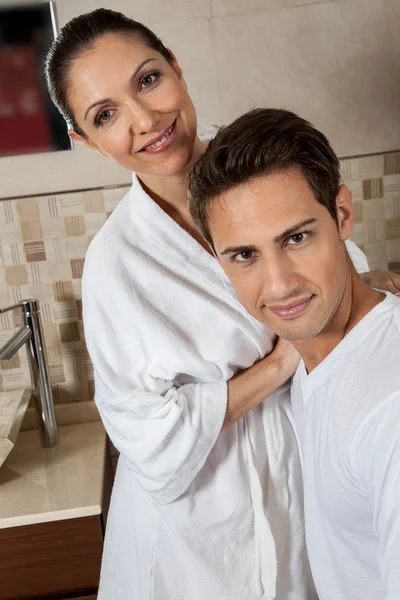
<point>57,373</point>
<point>377,255</point>
<point>350,169</point>
<point>391,163</point>
<point>62,290</point>
<point>393,250</point>
<point>38,272</point>
<point>3,284</point>
<point>56,249</point>
<point>11,232</point>
<point>372,188</point>
<point>48,208</point>
<point>71,205</point>
<point>223,8</point>
<point>77,268</point>
<point>32,230</point>
<point>28,209</point>
<point>16,275</point>
<point>93,201</point>
<point>59,270</point>
<point>374,210</point>
<point>13,363</point>
<point>65,310</point>
<point>53,228</point>
<point>76,247</point>
<point>69,332</point>
<point>159,11</point>
<point>358,212</point>
<point>371,166</point>
<point>375,231</point>
<point>391,185</point>
<point>393,229</point>
<point>8,212</point>
<point>392,207</point>
<point>193,46</point>
<point>74,226</point>
<point>34,251</point>
<point>334,63</point>
<point>13,254</point>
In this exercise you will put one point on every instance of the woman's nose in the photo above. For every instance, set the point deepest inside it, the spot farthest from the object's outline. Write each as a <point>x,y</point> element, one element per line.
<point>143,119</point>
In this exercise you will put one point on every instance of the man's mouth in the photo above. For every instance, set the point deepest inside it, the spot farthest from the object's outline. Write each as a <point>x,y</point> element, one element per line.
<point>293,309</point>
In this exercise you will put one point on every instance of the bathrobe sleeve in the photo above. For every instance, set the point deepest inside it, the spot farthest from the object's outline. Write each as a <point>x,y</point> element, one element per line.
<point>165,435</point>
<point>357,256</point>
<point>165,432</point>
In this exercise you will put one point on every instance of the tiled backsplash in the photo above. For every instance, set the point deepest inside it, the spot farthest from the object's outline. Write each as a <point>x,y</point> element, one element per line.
<point>44,242</point>
<point>42,251</point>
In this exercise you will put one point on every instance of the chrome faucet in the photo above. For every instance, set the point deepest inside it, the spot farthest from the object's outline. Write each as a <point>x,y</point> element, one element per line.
<point>31,334</point>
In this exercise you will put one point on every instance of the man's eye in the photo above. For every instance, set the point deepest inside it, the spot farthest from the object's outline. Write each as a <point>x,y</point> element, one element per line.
<point>243,256</point>
<point>297,238</point>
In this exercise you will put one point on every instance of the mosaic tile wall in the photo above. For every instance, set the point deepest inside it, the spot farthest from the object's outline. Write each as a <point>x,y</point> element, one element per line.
<point>42,252</point>
<point>44,241</point>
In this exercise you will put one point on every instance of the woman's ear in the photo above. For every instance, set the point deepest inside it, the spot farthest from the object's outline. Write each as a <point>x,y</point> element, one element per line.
<point>345,212</point>
<point>175,65</point>
<point>88,143</point>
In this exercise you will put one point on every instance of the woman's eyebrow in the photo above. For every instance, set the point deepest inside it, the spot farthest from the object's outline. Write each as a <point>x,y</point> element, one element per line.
<point>105,100</point>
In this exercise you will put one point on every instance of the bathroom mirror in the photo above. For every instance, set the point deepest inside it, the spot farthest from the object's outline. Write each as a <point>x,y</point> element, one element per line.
<point>29,122</point>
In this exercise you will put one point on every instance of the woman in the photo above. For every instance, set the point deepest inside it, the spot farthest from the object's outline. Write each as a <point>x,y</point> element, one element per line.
<point>207,496</point>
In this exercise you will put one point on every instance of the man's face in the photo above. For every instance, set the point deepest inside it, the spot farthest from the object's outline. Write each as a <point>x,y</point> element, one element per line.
<point>283,252</point>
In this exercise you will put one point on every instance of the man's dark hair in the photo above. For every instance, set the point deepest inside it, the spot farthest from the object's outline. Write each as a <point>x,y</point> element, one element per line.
<point>261,142</point>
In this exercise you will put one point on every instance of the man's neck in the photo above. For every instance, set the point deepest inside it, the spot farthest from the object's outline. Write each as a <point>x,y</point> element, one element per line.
<point>357,301</point>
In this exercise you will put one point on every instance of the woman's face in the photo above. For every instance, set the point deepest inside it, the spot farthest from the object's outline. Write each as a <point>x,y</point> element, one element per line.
<point>133,106</point>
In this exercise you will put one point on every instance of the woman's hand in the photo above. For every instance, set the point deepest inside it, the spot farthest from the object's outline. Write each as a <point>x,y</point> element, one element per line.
<point>286,359</point>
<point>249,388</point>
<point>382,280</point>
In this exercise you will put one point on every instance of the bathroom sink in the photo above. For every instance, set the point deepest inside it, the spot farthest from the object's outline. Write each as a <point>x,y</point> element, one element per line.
<point>13,405</point>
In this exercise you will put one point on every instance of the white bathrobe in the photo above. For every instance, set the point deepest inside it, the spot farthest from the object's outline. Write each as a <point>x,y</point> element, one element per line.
<point>196,514</point>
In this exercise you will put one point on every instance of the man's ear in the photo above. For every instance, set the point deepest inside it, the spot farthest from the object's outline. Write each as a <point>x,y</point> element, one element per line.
<point>175,65</point>
<point>88,143</point>
<point>345,212</point>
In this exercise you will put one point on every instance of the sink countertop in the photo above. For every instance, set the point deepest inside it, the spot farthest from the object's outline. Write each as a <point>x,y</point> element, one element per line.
<point>13,406</point>
<point>39,485</point>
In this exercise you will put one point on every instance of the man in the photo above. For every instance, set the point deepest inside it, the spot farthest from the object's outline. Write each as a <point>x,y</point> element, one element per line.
<point>267,197</point>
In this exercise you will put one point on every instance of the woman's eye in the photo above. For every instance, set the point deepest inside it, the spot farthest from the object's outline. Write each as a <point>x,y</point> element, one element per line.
<point>103,117</point>
<point>149,79</point>
<point>243,256</point>
<point>297,238</point>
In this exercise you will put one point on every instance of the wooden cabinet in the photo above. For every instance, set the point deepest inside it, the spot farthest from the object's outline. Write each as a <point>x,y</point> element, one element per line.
<point>47,560</point>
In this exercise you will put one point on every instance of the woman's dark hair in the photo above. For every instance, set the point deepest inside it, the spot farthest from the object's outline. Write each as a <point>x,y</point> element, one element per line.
<point>79,35</point>
<point>261,142</point>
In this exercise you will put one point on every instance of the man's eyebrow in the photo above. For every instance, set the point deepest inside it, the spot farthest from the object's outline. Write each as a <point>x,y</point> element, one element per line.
<point>105,100</point>
<point>292,230</point>
<point>238,249</point>
<point>278,238</point>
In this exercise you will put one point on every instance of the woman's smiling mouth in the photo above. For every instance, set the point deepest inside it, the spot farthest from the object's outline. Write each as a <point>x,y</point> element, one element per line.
<point>162,142</point>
